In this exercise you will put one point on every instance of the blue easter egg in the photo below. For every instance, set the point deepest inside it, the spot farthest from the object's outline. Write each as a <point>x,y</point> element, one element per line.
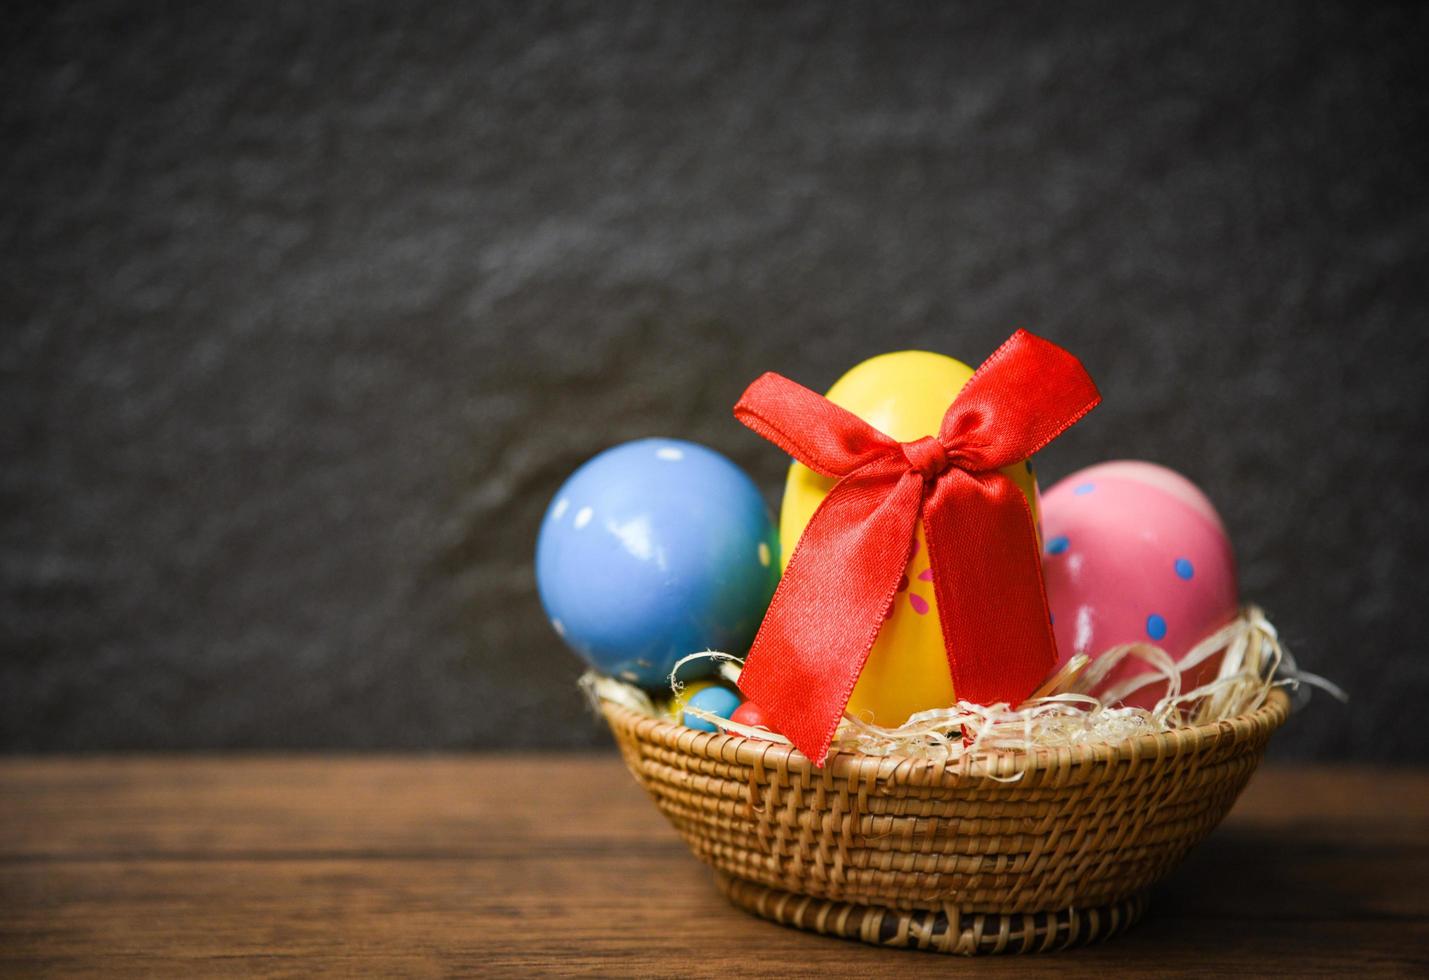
<point>717,701</point>
<point>652,550</point>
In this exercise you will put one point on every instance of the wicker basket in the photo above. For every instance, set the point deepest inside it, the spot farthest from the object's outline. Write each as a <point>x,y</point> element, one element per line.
<point>902,852</point>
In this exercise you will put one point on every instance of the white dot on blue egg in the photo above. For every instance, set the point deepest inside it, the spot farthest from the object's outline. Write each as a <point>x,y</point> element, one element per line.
<point>1057,545</point>
<point>558,511</point>
<point>582,518</point>
<point>1184,568</point>
<point>670,453</point>
<point>1155,627</point>
<point>1083,489</point>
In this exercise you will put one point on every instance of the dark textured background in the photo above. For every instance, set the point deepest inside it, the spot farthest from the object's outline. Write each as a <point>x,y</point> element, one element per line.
<point>306,314</point>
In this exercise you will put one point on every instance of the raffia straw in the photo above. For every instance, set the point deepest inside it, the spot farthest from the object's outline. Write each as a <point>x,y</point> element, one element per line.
<point>598,688</point>
<point>1063,712</point>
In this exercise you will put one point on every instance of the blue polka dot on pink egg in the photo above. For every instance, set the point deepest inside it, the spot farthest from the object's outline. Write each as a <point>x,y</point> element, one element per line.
<point>1184,569</point>
<point>1083,489</point>
<point>1057,545</point>
<point>1155,627</point>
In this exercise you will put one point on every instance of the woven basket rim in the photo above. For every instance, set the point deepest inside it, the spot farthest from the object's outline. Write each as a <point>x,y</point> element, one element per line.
<point>737,749</point>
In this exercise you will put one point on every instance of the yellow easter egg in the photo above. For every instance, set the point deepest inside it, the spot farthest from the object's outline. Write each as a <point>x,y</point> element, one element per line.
<point>904,395</point>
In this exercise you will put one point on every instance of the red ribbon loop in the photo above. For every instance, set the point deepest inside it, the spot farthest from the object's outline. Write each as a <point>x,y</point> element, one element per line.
<point>982,545</point>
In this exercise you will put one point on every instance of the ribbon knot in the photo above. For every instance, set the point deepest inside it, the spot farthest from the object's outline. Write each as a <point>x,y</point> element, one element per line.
<point>982,545</point>
<point>926,456</point>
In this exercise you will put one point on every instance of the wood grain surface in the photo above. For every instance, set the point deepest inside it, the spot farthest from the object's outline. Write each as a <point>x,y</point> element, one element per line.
<point>540,864</point>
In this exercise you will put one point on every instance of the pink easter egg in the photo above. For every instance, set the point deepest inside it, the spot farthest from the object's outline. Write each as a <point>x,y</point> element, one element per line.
<point>1135,552</point>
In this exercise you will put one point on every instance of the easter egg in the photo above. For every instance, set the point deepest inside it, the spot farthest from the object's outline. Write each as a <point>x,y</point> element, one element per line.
<point>653,550</point>
<point>1135,552</point>
<point>752,715</point>
<point>904,395</point>
<point>675,708</point>
<point>716,700</point>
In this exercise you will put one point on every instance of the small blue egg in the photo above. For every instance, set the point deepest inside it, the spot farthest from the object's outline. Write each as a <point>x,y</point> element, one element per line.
<point>717,701</point>
<point>653,550</point>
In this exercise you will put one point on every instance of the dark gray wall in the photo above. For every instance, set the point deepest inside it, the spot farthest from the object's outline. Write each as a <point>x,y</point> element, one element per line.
<point>306,314</point>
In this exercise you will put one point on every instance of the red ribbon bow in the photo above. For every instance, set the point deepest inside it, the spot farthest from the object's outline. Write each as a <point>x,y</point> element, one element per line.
<point>841,579</point>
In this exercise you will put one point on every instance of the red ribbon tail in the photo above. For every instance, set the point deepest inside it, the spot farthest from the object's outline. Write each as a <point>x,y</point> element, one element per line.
<point>829,606</point>
<point>992,603</point>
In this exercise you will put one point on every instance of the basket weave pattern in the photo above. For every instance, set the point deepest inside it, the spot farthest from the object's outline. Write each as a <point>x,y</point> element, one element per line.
<point>911,852</point>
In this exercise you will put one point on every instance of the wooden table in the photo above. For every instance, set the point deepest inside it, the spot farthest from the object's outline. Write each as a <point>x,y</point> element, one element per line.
<point>142,866</point>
